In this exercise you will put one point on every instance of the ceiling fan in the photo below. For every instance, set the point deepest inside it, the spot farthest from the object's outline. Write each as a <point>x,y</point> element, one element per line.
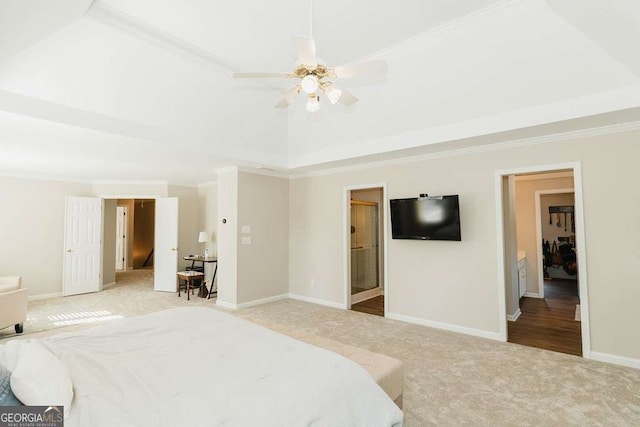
<point>316,78</point>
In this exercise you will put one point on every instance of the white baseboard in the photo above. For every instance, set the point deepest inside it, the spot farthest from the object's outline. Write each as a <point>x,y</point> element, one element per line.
<point>45,296</point>
<point>365,295</point>
<point>514,317</point>
<point>532,295</point>
<point>262,301</point>
<point>251,303</point>
<point>226,304</point>
<point>446,326</point>
<point>108,285</point>
<point>616,360</point>
<point>317,301</point>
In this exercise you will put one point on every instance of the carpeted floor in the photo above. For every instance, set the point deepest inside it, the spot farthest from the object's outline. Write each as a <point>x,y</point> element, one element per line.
<point>450,379</point>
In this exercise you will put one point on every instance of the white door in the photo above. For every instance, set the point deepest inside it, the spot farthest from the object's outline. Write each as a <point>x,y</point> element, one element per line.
<point>165,253</point>
<point>121,238</point>
<point>82,245</point>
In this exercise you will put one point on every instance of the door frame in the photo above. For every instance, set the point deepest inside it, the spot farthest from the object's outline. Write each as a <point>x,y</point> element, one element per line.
<point>346,226</point>
<point>580,245</point>
<point>539,193</point>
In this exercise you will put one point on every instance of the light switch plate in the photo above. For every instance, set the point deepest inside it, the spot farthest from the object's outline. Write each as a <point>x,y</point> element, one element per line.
<point>246,240</point>
<point>245,229</point>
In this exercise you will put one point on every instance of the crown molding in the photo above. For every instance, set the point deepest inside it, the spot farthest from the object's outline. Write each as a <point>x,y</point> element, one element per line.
<point>37,177</point>
<point>128,182</point>
<point>442,29</point>
<point>265,171</point>
<point>107,14</point>
<point>498,146</point>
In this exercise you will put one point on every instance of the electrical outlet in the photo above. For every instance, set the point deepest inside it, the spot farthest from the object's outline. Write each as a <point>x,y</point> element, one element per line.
<point>313,283</point>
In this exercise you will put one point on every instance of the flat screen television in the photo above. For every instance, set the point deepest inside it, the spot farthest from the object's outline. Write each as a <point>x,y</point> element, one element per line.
<point>426,218</point>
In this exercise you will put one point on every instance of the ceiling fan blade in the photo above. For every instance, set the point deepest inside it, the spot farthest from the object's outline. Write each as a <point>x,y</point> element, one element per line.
<point>363,68</point>
<point>288,96</point>
<point>306,50</point>
<point>259,75</point>
<point>347,98</point>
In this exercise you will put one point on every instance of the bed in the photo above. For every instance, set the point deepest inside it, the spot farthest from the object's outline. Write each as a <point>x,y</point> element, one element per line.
<point>200,366</point>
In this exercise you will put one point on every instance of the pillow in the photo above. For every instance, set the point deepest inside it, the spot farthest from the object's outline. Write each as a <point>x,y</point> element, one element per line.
<point>7,398</point>
<point>39,378</point>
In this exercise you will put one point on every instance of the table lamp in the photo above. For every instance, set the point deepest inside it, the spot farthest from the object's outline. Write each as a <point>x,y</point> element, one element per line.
<point>203,237</point>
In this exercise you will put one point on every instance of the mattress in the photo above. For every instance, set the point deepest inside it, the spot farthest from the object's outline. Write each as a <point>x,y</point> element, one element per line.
<point>386,371</point>
<point>199,366</point>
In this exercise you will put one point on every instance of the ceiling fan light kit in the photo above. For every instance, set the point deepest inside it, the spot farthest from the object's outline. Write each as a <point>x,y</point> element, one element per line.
<point>313,104</point>
<point>316,78</point>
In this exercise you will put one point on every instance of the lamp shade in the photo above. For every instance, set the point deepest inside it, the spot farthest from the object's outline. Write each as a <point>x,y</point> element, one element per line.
<point>203,237</point>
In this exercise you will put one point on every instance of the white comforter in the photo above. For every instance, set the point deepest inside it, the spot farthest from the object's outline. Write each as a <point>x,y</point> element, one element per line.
<point>199,366</point>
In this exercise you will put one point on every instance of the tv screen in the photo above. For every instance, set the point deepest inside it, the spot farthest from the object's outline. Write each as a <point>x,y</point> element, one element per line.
<point>426,218</point>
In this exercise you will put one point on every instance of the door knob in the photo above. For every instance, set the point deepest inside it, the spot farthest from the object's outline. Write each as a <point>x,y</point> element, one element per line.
<point>174,249</point>
<point>68,250</point>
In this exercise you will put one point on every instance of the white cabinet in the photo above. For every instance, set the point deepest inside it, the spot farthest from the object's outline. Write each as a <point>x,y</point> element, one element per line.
<point>522,276</point>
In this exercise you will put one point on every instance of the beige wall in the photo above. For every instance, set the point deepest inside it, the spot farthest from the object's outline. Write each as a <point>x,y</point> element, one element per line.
<point>32,231</point>
<point>263,265</point>
<point>526,222</point>
<point>456,282</point>
<point>109,242</point>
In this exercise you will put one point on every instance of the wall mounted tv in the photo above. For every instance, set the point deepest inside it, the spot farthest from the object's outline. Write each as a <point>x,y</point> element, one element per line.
<point>426,218</point>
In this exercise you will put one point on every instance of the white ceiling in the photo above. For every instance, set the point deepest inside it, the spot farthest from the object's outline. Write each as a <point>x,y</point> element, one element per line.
<point>132,86</point>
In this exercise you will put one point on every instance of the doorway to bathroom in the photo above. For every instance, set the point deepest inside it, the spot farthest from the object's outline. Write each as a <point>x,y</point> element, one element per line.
<point>366,250</point>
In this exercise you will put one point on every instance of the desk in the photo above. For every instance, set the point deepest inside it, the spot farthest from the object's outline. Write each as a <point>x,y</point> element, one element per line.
<point>203,260</point>
<point>188,276</point>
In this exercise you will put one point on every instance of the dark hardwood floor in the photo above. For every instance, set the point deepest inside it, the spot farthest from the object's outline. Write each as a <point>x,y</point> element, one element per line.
<point>371,306</point>
<point>549,323</point>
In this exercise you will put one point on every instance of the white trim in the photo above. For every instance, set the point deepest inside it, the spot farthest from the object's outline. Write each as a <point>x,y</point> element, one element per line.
<point>110,15</point>
<point>226,304</point>
<point>130,196</point>
<point>108,285</point>
<point>514,317</point>
<point>502,292</point>
<point>265,171</point>
<point>446,326</point>
<point>346,254</point>
<point>498,146</point>
<point>539,177</point>
<point>44,296</point>
<point>365,295</point>
<point>616,360</point>
<point>317,301</point>
<point>538,205</point>
<point>128,182</point>
<point>36,177</point>
<point>441,29</point>
<point>532,295</point>
<point>261,301</point>
<point>580,245</point>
